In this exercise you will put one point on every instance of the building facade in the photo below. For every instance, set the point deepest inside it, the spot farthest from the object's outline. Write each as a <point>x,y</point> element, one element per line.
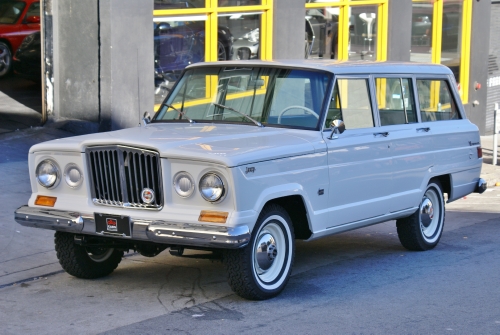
<point>109,61</point>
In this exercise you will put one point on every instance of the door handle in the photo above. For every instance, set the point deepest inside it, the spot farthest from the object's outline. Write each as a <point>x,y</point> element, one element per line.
<point>426,129</point>
<point>385,134</point>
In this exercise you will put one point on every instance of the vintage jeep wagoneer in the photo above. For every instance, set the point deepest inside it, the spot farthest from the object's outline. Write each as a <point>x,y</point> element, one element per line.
<point>242,158</point>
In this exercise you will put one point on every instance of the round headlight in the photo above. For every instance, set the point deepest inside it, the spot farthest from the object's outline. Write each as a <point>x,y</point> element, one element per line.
<point>73,176</point>
<point>212,187</point>
<point>183,184</point>
<point>47,173</point>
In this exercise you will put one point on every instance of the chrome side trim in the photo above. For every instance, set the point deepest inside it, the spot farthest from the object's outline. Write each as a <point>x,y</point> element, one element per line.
<point>48,218</point>
<point>199,235</point>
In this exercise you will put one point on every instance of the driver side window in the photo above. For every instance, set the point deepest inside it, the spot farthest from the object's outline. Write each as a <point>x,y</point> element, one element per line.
<point>351,104</point>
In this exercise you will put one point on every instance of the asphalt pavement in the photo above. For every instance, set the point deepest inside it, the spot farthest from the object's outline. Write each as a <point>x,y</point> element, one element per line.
<point>358,282</point>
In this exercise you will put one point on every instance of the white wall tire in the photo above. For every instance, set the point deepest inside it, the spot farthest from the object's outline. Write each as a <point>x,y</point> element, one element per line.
<point>261,269</point>
<point>423,229</point>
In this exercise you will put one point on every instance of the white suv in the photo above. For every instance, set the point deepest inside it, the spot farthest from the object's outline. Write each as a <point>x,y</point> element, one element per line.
<point>245,157</point>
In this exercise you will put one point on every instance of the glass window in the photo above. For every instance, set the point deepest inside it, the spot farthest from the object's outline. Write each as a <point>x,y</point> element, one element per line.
<point>10,11</point>
<point>395,101</point>
<point>227,3</point>
<point>436,101</point>
<point>351,104</point>
<point>452,36</point>
<point>363,32</point>
<point>241,39</point>
<point>421,31</point>
<point>321,34</point>
<point>177,44</point>
<point>34,9</point>
<point>272,96</point>
<point>178,4</point>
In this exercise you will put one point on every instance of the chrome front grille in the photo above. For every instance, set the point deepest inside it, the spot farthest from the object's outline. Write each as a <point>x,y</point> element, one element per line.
<point>119,175</point>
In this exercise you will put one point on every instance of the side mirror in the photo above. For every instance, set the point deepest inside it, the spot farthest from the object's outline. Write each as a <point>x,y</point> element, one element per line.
<point>33,19</point>
<point>146,119</point>
<point>338,127</point>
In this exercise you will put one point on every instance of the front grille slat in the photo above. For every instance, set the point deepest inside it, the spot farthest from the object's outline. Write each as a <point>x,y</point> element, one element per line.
<point>119,174</point>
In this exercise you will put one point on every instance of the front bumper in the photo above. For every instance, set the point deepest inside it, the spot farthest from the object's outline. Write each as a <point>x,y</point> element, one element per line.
<point>158,231</point>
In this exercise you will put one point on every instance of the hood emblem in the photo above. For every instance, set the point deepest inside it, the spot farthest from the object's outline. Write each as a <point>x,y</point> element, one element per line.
<point>148,195</point>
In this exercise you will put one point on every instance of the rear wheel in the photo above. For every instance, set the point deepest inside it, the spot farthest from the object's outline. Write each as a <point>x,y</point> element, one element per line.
<point>261,269</point>
<point>423,229</point>
<point>83,261</point>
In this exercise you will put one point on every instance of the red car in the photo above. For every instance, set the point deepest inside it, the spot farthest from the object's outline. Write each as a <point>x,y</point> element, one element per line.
<point>18,19</point>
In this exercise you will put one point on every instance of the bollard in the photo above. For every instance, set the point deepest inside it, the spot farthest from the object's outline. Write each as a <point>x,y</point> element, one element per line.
<point>496,127</point>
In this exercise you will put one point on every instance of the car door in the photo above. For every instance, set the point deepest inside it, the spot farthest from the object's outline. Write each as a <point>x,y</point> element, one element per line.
<point>359,159</point>
<point>411,141</point>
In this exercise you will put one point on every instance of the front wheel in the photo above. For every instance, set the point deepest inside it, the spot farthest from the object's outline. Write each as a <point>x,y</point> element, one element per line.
<point>85,262</point>
<point>422,230</point>
<point>5,59</point>
<point>261,269</point>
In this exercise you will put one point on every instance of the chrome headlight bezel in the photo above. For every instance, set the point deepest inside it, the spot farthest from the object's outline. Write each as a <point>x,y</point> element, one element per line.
<point>67,177</point>
<point>215,198</point>
<point>177,184</point>
<point>56,172</point>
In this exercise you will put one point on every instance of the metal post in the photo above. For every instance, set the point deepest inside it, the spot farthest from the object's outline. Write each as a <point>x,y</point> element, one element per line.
<point>495,135</point>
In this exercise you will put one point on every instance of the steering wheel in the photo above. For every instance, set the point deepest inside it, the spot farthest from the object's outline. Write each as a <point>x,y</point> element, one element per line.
<point>310,111</point>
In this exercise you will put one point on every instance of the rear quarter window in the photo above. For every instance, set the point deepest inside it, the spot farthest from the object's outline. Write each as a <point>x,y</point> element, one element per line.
<point>436,101</point>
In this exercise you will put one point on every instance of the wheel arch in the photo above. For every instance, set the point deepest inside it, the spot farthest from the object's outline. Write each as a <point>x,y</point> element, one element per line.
<point>445,181</point>
<point>6,41</point>
<point>296,208</point>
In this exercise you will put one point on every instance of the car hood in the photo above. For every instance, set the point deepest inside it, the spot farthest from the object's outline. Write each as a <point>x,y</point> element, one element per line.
<point>229,145</point>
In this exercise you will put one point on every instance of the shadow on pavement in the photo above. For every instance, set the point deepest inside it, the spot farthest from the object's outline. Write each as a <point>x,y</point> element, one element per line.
<point>20,103</point>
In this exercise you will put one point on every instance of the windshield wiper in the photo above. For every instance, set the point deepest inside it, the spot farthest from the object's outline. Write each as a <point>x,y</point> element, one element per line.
<point>181,113</point>
<point>234,110</point>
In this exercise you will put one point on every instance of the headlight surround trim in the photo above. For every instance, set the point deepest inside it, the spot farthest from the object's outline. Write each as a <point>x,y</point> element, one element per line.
<point>184,184</point>
<point>69,172</point>
<point>54,171</point>
<point>221,191</point>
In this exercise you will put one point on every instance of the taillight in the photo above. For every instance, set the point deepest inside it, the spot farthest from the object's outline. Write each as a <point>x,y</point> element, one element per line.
<point>479,152</point>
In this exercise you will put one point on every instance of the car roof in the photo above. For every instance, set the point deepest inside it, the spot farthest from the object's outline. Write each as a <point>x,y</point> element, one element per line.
<point>342,67</point>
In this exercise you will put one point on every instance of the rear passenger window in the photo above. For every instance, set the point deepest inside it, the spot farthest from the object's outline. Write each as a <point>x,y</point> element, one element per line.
<point>351,104</point>
<point>436,101</point>
<point>395,101</point>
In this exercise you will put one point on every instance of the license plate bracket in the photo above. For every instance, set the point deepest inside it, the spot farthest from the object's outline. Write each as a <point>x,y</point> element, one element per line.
<point>111,224</point>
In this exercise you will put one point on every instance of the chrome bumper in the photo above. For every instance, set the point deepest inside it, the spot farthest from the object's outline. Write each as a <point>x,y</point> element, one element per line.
<point>159,231</point>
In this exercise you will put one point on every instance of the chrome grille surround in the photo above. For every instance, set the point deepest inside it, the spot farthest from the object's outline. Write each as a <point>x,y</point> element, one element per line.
<point>118,174</point>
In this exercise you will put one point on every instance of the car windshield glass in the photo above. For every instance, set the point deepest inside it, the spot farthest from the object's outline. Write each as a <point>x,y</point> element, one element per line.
<point>269,95</point>
<point>10,11</point>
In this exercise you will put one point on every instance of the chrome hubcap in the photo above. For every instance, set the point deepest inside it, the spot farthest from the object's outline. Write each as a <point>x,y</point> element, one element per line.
<point>426,212</point>
<point>266,251</point>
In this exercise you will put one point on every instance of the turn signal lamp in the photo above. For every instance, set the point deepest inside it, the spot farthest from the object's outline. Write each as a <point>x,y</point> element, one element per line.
<point>213,216</point>
<point>43,200</point>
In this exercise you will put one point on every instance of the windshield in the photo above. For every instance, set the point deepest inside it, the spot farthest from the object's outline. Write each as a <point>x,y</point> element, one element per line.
<point>10,11</point>
<point>269,95</point>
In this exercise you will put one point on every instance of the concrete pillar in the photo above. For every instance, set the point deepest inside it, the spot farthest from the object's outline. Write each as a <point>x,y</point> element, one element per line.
<point>399,39</point>
<point>127,62</point>
<point>288,29</point>
<point>75,60</point>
